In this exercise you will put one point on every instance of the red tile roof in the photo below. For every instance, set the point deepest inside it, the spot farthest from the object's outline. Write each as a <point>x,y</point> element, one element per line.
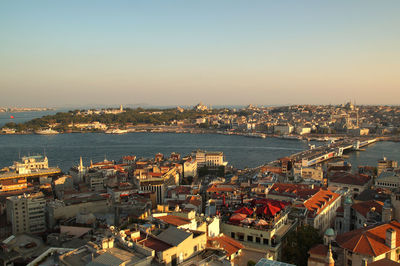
<point>370,240</point>
<point>174,220</point>
<point>293,190</point>
<point>320,201</point>
<point>350,179</point>
<point>155,244</point>
<point>183,190</point>
<point>230,245</point>
<point>155,174</point>
<point>217,188</point>
<point>383,262</point>
<point>364,207</point>
<point>319,250</point>
<point>129,158</point>
<point>194,201</point>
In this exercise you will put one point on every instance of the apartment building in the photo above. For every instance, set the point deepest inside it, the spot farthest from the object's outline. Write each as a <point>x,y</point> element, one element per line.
<point>26,213</point>
<point>209,159</point>
<point>190,167</point>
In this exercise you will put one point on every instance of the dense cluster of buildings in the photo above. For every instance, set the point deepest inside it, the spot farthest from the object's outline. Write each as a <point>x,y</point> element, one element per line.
<point>296,121</point>
<point>167,210</point>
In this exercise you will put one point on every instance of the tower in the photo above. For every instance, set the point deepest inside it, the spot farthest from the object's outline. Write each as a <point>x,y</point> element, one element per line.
<point>80,164</point>
<point>347,214</point>
<point>387,212</point>
<point>121,109</point>
<point>329,257</point>
<point>358,118</point>
<point>395,199</point>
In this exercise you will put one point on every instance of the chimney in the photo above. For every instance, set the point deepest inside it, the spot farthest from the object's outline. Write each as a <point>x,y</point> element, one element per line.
<point>391,238</point>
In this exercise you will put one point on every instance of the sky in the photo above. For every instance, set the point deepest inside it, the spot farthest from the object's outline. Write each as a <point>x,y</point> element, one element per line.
<point>225,52</point>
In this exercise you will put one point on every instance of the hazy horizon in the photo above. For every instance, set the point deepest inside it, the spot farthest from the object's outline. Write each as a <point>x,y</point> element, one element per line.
<point>232,53</point>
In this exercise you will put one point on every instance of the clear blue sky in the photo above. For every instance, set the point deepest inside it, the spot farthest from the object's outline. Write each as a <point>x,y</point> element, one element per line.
<point>59,53</point>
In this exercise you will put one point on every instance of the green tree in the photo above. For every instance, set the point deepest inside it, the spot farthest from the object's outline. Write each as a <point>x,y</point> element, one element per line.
<point>298,243</point>
<point>251,263</point>
<point>203,171</point>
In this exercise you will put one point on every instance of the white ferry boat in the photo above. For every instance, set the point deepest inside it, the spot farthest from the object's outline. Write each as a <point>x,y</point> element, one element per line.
<point>48,131</point>
<point>116,131</point>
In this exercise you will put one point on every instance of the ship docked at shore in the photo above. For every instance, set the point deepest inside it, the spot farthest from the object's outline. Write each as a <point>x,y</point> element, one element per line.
<point>116,131</point>
<point>48,131</point>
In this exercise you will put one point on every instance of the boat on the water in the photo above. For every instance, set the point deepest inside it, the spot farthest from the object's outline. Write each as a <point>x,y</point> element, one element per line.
<point>291,137</point>
<point>48,131</point>
<point>116,131</point>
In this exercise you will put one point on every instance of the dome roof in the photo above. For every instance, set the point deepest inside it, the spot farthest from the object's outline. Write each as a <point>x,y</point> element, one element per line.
<point>329,232</point>
<point>348,200</point>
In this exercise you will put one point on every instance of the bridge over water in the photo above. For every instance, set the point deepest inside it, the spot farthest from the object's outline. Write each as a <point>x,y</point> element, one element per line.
<point>332,150</point>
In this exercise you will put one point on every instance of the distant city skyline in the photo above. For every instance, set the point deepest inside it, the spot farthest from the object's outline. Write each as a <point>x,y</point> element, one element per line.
<point>75,53</point>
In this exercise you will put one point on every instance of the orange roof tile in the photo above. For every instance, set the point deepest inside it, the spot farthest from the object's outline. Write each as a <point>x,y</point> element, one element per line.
<point>350,179</point>
<point>174,220</point>
<point>320,201</point>
<point>216,188</point>
<point>129,158</point>
<point>319,249</point>
<point>364,207</point>
<point>155,174</point>
<point>383,262</point>
<point>230,245</point>
<point>293,190</point>
<point>369,240</point>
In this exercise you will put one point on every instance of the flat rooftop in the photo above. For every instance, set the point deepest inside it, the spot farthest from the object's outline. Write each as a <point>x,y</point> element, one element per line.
<point>34,173</point>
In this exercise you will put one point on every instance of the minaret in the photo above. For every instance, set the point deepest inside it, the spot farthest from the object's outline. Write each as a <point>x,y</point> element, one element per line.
<point>329,258</point>
<point>347,214</point>
<point>121,109</point>
<point>80,164</point>
<point>358,118</point>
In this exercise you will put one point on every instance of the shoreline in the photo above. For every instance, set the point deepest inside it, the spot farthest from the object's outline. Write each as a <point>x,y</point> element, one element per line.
<point>261,135</point>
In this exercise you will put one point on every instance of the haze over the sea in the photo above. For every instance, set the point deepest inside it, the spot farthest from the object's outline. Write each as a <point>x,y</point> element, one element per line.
<point>86,53</point>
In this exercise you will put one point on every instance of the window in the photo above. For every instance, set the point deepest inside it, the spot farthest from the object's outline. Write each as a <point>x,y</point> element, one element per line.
<point>349,262</point>
<point>233,235</point>
<point>250,238</point>
<point>258,240</point>
<point>265,241</point>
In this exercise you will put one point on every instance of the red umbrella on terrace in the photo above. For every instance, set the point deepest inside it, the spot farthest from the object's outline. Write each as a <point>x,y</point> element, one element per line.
<point>247,221</point>
<point>237,217</point>
<point>261,222</point>
<point>268,210</point>
<point>245,210</point>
